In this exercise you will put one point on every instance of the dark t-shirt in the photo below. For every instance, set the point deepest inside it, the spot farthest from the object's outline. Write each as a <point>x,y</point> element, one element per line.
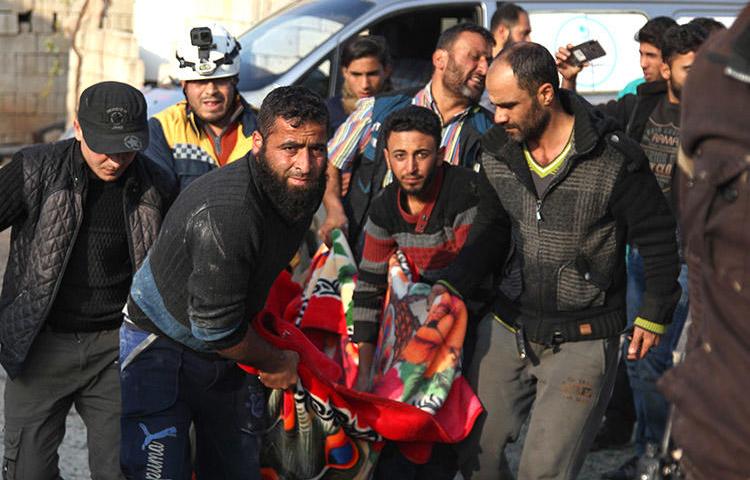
<point>660,141</point>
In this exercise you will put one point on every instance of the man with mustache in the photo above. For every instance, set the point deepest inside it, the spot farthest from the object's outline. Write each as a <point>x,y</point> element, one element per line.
<point>509,24</point>
<point>426,213</point>
<point>652,118</point>
<point>563,190</point>
<point>213,126</point>
<point>460,62</point>
<point>223,244</point>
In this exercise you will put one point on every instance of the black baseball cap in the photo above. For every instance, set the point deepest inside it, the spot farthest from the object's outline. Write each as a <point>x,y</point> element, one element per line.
<point>112,116</point>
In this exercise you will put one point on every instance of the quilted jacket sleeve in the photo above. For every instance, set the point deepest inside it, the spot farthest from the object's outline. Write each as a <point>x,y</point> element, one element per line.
<point>12,205</point>
<point>637,203</point>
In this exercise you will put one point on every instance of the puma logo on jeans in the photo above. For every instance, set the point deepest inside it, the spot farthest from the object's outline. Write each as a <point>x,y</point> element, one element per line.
<point>150,437</point>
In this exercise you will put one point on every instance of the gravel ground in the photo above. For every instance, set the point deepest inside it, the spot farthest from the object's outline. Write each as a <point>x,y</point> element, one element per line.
<point>74,455</point>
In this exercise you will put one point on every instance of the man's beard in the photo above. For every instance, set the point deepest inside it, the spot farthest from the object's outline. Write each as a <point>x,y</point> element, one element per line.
<point>454,81</point>
<point>676,89</point>
<point>294,204</point>
<point>222,120</point>
<point>418,191</point>
<point>535,125</point>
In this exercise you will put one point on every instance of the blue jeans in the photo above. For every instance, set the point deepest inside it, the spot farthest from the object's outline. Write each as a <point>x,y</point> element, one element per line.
<point>165,388</point>
<point>651,408</point>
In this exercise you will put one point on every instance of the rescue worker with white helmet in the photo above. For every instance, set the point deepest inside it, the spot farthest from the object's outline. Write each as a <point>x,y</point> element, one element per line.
<point>213,126</point>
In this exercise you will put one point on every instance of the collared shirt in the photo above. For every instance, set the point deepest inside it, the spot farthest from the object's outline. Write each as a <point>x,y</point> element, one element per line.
<point>355,133</point>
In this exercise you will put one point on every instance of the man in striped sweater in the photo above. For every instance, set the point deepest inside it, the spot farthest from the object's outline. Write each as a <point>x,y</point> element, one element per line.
<point>426,213</point>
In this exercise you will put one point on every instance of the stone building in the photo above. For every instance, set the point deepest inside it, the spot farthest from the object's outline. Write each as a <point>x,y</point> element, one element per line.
<point>50,50</point>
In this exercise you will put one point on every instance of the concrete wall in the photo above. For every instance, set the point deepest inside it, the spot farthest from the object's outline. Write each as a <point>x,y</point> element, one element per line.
<point>104,49</point>
<point>50,50</point>
<point>34,59</point>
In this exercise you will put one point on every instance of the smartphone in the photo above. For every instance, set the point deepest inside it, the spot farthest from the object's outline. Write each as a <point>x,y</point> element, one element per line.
<point>586,52</point>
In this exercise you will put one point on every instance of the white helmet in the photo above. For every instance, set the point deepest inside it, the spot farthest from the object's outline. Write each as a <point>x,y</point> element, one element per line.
<point>211,52</point>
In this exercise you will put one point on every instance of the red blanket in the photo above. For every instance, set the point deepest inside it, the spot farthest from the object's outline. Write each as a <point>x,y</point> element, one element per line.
<point>324,429</point>
<point>366,414</point>
<point>336,426</point>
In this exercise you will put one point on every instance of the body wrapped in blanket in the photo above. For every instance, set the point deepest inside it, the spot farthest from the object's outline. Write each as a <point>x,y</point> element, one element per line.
<point>324,429</point>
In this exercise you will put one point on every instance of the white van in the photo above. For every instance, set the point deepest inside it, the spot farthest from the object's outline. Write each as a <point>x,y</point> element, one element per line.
<point>300,44</point>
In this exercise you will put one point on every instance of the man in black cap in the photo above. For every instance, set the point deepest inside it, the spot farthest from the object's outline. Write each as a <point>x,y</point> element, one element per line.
<point>83,214</point>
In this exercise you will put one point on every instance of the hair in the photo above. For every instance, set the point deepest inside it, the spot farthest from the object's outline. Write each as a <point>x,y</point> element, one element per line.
<point>710,25</point>
<point>296,103</point>
<point>367,46</point>
<point>532,65</point>
<point>448,37</point>
<point>507,14</point>
<point>682,39</point>
<point>653,31</point>
<point>412,118</point>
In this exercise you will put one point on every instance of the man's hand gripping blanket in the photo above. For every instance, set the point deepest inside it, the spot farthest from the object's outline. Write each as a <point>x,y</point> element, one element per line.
<point>323,429</point>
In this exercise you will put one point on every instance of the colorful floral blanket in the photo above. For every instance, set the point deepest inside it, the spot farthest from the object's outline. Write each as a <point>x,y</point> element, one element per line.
<point>418,353</point>
<point>324,429</point>
<point>323,310</point>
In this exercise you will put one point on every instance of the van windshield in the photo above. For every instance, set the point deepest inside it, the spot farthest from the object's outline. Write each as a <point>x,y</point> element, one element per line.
<point>274,46</point>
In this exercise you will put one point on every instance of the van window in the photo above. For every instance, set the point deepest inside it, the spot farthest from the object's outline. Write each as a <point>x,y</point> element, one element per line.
<point>318,78</point>
<point>412,36</point>
<point>274,46</point>
<point>727,20</point>
<point>615,32</point>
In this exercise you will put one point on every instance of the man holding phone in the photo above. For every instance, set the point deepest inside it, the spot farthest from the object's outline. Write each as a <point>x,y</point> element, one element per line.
<point>649,39</point>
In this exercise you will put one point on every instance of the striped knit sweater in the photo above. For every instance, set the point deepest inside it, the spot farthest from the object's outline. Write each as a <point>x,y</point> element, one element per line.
<point>430,238</point>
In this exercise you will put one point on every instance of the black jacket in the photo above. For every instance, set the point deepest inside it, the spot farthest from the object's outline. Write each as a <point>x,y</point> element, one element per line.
<point>631,112</point>
<point>222,246</point>
<point>569,245</point>
<point>336,114</point>
<point>43,193</point>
